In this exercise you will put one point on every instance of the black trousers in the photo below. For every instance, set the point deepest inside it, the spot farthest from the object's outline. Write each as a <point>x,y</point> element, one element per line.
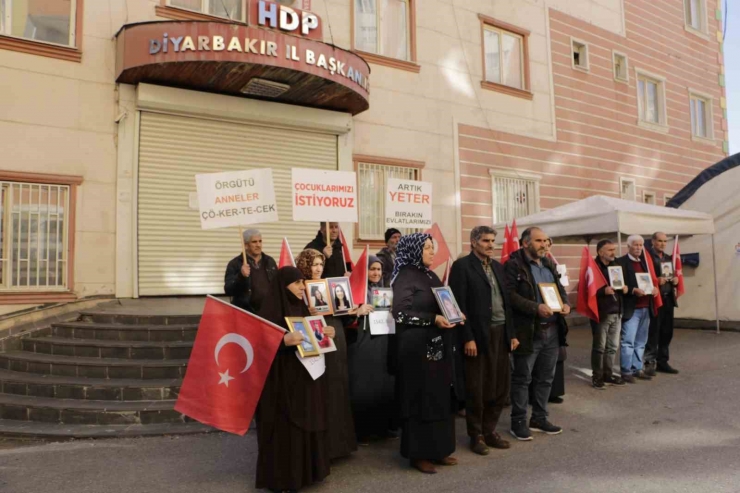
<point>660,333</point>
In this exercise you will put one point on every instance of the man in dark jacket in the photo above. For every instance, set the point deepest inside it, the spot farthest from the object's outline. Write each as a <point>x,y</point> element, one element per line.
<point>248,285</point>
<point>487,336</point>
<point>606,331</point>
<point>660,333</point>
<point>387,255</point>
<point>335,265</point>
<point>539,330</point>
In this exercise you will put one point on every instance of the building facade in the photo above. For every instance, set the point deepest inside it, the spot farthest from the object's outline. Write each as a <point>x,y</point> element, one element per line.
<point>109,108</point>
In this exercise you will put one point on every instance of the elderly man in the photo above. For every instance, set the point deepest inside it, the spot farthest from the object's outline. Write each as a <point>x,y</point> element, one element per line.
<point>636,313</point>
<point>387,255</point>
<point>248,285</point>
<point>661,327</point>
<point>478,282</point>
<point>335,265</point>
<point>606,331</point>
<point>539,330</point>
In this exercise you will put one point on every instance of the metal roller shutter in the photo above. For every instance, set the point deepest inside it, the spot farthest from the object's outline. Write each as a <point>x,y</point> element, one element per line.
<point>176,256</point>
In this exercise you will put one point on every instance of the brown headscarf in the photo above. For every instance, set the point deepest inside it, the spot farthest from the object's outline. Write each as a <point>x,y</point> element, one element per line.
<point>305,261</point>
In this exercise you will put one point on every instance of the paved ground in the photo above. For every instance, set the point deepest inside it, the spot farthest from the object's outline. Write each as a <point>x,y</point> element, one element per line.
<point>675,434</point>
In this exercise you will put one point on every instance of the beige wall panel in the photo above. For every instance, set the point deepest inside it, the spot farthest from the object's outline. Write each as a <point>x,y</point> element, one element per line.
<point>45,100</point>
<point>98,208</point>
<point>606,14</point>
<point>436,15</point>
<point>98,109</point>
<point>100,247</point>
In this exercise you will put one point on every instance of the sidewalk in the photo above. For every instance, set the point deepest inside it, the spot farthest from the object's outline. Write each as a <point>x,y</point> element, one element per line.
<point>674,434</point>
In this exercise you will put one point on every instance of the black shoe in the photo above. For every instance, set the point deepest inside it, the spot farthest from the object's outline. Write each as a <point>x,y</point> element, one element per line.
<point>628,378</point>
<point>478,445</point>
<point>649,369</point>
<point>544,426</point>
<point>520,431</point>
<point>555,400</point>
<point>642,375</point>
<point>614,381</point>
<point>666,368</point>
<point>598,383</point>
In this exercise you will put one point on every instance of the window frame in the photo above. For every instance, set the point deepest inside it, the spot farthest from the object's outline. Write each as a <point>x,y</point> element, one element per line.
<point>709,116</point>
<point>584,44</point>
<point>703,29</point>
<point>71,52</point>
<point>357,159</point>
<point>622,181</point>
<point>526,91</point>
<point>616,54</point>
<point>409,65</point>
<point>662,124</point>
<point>649,193</point>
<point>667,198</point>
<point>497,173</point>
<point>166,10</point>
<point>36,295</point>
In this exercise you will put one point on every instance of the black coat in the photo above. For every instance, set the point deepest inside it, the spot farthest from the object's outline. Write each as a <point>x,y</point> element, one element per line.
<point>238,287</point>
<point>386,259</point>
<point>472,290</point>
<point>629,300</point>
<point>521,286</point>
<point>668,290</point>
<point>424,385</point>
<point>608,303</point>
<point>334,265</point>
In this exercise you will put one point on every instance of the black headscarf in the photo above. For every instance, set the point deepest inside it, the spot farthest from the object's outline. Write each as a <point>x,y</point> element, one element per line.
<point>410,251</point>
<point>283,303</point>
<point>372,259</point>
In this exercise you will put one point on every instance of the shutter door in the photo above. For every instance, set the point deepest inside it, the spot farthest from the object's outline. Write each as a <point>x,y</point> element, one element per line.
<point>177,257</point>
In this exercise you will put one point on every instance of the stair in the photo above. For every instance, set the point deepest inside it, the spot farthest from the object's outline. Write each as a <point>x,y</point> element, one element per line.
<point>106,374</point>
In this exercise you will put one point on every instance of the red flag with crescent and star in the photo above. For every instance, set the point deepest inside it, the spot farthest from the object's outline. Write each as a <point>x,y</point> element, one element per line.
<point>591,279</point>
<point>286,255</point>
<point>678,269</point>
<point>505,253</point>
<point>358,278</point>
<point>442,252</point>
<point>346,254</point>
<point>657,297</point>
<point>231,357</point>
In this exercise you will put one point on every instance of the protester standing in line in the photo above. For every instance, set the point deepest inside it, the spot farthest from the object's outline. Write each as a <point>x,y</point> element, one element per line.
<point>371,386</point>
<point>539,330</point>
<point>557,391</point>
<point>248,285</point>
<point>292,417</point>
<point>335,263</point>
<point>341,433</point>
<point>636,313</point>
<point>477,281</point>
<point>426,359</point>
<point>660,333</point>
<point>606,331</point>
<point>387,254</point>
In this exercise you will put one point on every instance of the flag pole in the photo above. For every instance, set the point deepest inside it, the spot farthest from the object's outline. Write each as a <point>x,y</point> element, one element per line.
<point>244,248</point>
<point>326,226</point>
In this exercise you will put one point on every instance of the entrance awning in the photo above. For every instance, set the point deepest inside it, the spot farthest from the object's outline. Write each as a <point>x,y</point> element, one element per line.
<point>243,60</point>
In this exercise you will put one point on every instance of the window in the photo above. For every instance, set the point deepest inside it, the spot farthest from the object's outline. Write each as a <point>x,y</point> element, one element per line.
<point>651,99</point>
<point>514,195</point>
<point>695,12</point>
<point>648,197</point>
<point>505,57</point>
<point>384,27</point>
<point>372,177</point>
<point>627,189</point>
<point>667,198</point>
<point>229,9</point>
<point>621,72</point>
<point>34,236</point>
<point>701,116</point>
<point>48,21</point>
<point>579,50</point>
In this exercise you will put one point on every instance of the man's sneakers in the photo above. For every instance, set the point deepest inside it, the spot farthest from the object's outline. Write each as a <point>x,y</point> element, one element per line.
<point>544,426</point>
<point>614,381</point>
<point>666,368</point>
<point>598,383</point>
<point>520,431</point>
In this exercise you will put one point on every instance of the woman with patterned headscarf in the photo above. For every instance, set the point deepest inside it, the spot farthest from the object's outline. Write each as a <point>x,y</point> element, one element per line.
<point>426,368</point>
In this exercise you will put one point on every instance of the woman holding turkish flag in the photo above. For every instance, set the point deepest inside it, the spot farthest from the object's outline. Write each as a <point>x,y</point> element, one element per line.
<point>292,418</point>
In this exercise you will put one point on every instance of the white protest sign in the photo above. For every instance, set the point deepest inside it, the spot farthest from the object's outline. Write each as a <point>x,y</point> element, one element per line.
<point>323,196</point>
<point>236,198</point>
<point>408,204</point>
<point>563,271</point>
<point>381,323</point>
<point>314,365</point>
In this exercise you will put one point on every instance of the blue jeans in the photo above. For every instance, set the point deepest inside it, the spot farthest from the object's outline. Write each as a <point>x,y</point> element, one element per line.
<point>538,367</point>
<point>634,337</point>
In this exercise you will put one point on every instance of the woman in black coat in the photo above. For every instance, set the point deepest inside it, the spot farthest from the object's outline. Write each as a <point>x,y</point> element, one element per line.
<point>426,351</point>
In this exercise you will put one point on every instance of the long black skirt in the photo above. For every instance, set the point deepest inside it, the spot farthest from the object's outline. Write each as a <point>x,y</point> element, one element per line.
<point>292,459</point>
<point>341,434</point>
<point>428,440</point>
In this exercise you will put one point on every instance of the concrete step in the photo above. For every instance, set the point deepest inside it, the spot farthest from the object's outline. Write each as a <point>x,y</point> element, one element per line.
<point>75,411</point>
<point>124,332</point>
<point>111,317</point>
<point>100,348</point>
<point>56,431</point>
<point>35,385</point>
<point>76,366</point>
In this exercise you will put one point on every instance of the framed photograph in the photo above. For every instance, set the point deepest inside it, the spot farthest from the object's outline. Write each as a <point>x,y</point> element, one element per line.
<point>309,346</point>
<point>318,296</point>
<point>382,299</point>
<point>645,282</point>
<point>340,295</point>
<point>448,304</point>
<point>666,270</point>
<point>616,276</point>
<point>326,343</point>
<point>551,296</point>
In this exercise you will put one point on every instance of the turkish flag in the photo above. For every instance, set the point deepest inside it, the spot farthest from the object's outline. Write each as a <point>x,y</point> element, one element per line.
<point>678,269</point>
<point>286,256</point>
<point>514,236</point>
<point>591,279</point>
<point>231,358</point>
<point>346,254</point>
<point>657,300</point>
<point>505,253</point>
<point>442,252</point>
<point>358,279</point>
